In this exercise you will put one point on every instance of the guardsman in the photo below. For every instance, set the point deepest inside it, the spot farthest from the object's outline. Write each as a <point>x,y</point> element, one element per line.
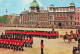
<point>32,39</point>
<point>21,45</point>
<point>4,43</point>
<point>71,33</point>
<point>27,41</point>
<point>2,36</point>
<point>14,45</point>
<point>1,42</point>
<point>42,46</point>
<point>53,29</point>
<point>30,42</point>
<point>24,43</point>
<point>17,45</point>
<point>9,43</point>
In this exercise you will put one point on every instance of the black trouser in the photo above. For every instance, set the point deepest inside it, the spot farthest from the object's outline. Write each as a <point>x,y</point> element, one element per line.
<point>0,45</point>
<point>14,47</point>
<point>22,48</point>
<point>41,50</point>
<point>8,46</point>
<point>26,44</point>
<point>17,48</point>
<point>31,45</point>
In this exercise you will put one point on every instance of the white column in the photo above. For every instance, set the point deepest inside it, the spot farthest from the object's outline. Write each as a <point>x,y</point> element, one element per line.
<point>73,8</point>
<point>69,8</point>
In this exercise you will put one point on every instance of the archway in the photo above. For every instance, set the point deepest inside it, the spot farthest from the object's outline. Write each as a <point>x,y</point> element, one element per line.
<point>59,24</point>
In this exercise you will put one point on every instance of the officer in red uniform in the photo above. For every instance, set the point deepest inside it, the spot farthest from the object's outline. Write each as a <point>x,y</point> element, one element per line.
<point>42,46</point>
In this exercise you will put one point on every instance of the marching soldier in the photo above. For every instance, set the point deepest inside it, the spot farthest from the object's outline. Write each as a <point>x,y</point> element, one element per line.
<point>53,29</point>
<point>42,46</point>
<point>71,33</point>
<point>2,36</point>
<point>32,39</point>
<point>30,42</point>
<point>21,45</point>
<point>27,41</point>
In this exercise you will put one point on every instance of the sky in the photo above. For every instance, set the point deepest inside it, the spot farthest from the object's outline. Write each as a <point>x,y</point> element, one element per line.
<point>17,6</point>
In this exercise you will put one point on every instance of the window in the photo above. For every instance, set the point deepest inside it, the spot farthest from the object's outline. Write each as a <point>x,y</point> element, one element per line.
<point>75,18</point>
<point>78,13</point>
<point>75,23</point>
<point>71,23</point>
<point>66,23</point>
<point>78,18</point>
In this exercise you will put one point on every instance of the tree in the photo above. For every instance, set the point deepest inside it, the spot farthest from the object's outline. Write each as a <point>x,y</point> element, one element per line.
<point>4,19</point>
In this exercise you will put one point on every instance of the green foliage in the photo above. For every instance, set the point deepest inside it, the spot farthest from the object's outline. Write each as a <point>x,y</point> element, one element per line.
<point>4,19</point>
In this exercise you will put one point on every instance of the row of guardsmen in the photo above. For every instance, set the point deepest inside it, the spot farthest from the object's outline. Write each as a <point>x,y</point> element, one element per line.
<point>16,44</point>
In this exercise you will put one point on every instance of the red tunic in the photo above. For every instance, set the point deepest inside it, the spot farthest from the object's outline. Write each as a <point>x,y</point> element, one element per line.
<point>26,40</point>
<point>21,43</point>
<point>66,34</point>
<point>42,45</point>
<point>23,39</point>
<point>18,43</point>
<point>30,40</point>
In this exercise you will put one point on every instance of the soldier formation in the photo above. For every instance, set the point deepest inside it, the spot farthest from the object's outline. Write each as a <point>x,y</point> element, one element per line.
<point>35,33</point>
<point>16,41</point>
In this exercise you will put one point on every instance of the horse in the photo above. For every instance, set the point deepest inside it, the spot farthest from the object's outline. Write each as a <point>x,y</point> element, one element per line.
<point>69,37</point>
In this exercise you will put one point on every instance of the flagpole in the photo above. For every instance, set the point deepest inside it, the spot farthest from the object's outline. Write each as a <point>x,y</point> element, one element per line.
<point>61,3</point>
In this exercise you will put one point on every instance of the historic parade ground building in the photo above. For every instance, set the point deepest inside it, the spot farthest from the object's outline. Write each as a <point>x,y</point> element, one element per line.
<point>58,17</point>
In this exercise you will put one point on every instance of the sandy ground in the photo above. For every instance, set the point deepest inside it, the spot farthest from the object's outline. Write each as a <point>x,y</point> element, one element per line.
<point>51,46</point>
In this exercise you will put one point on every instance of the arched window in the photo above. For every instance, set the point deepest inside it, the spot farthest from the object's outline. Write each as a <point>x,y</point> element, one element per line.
<point>75,23</point>
<point>71,23</point>
<point>75,18</point>
<point>78,18</point>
